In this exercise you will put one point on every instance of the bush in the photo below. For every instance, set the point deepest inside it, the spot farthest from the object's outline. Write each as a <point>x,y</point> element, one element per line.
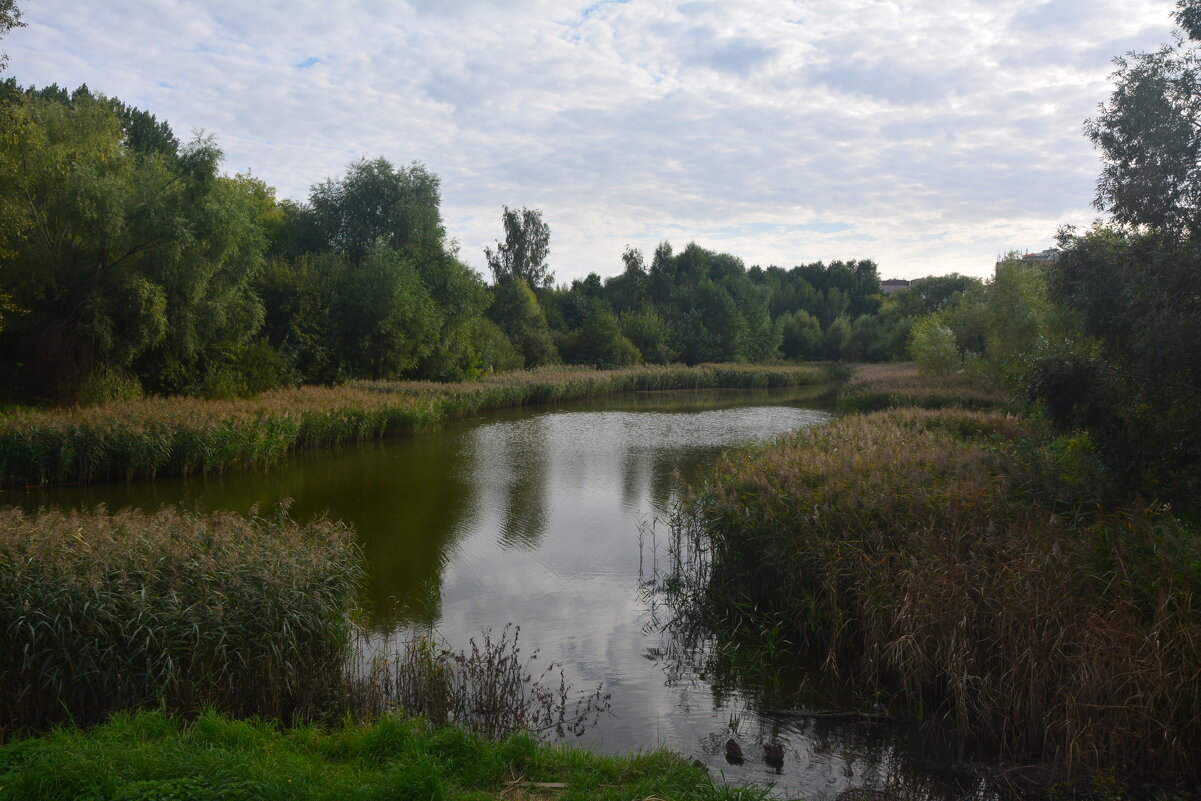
<point>932,346</point>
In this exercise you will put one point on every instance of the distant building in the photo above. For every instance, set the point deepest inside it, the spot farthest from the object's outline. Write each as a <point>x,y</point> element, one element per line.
<point>890,285</point>
<point>1039,259</point>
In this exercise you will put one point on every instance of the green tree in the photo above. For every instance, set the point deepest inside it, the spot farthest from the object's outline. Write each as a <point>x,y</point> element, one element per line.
<point>375,201</point>
<point>523,253</point>
<point>599,341</point>
<point>800,335</point>
<point>651,334</point>
<point>515,309</point>
<point>10,17</point>
<point>122,260</point>
<point>932,345</point>
<point>1135,365</point>
<point>836,336</point>
<point>387,322</point>
<point>1149,134</point>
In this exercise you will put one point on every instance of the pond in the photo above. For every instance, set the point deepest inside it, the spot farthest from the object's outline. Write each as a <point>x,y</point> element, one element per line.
<point>552,519</point>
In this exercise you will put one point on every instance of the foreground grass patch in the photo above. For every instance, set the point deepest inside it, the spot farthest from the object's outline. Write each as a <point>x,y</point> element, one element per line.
<point>153,755</point>
<point>913,546</point>
<point>180,436</point>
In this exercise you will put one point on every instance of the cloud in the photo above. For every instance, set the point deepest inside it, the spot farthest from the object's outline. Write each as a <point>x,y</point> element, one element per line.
<point>938,132</point>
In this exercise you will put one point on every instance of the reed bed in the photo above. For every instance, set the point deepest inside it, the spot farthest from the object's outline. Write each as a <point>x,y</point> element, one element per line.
<point>154,437</point>
<point>109,611</point>
<point>872,387</point>
<point>906,545</point>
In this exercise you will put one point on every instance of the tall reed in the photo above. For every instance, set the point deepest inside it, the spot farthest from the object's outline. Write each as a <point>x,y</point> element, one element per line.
<point>180,436</point>
<point>905,544</point>
<point>872,387</point>
<point>105,611</point>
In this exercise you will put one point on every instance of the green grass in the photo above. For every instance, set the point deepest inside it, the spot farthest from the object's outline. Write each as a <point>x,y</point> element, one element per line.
<point>153,755</point>
<point>154,437</point>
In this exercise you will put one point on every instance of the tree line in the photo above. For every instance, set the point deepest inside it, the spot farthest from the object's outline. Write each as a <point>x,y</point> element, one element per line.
<point>131,264</point>
<point>1107,339</point>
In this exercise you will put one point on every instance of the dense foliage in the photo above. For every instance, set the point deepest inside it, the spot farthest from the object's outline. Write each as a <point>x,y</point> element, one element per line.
<point>132,266</point>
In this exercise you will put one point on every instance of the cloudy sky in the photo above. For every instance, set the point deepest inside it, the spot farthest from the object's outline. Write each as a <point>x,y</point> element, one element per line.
<point>929,135</point>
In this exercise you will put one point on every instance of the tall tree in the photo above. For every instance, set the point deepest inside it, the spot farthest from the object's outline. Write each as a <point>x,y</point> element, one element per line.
<point>10,17</point>
<point>123,260</point>
<point>376,201</point>
<point>1149,134</point>
<point>525,249</point>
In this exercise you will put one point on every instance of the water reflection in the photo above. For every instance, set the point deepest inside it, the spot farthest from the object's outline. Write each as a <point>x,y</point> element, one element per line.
<point>532,517</point>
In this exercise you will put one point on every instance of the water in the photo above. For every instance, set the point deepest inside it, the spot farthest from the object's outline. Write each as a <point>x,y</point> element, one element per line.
<point>547,519</point>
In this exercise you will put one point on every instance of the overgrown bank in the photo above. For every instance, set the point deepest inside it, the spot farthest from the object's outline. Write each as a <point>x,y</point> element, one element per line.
<point>102,612</point>
<point>180,436</point>
<point>956,562</point>
<point>175,636</point>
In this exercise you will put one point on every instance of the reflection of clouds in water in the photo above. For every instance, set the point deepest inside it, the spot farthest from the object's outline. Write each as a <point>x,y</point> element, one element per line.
<point>571,488</point>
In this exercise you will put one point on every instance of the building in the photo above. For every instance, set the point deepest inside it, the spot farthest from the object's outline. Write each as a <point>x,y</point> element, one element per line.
<point>890,285</point>
<point>1039,259</point>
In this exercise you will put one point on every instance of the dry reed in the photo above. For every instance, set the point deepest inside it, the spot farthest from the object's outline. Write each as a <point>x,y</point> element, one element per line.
<point>872,387</point>
<point>110,611</point>
<point>904,543</point>
<point>180,436</point>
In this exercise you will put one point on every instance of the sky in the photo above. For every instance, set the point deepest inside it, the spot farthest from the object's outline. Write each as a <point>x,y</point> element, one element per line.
<point>929,136</point>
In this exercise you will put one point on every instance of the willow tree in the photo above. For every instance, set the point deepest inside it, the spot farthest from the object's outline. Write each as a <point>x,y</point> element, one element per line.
<point>122,262</point>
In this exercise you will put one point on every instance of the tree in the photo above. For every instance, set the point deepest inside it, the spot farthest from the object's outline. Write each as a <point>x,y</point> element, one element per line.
<point>1149,134</point>
<point>387,322</point>
<point>651,334</point>
<point>1138,355</point>
<point>515,309</point>
<point>10,17</point>
<point>122,260</point>
<point>800,336</point>
<point>599,341</point>
<point>524,251</point>
<point>932,345</point>
<point>375,201</point>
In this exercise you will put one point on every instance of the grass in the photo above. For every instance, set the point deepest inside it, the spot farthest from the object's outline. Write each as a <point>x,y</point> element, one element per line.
<point>920,551</point>
<point>873,387</point>
<point>153,755</point>
<point>107,611</point>
<point>154,437</point>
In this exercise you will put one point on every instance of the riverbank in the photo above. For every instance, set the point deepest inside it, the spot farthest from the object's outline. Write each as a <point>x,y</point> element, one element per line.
<point>964,568</point>
<point>155,437</point>
<point>153,755</point>
<point>137,626</point>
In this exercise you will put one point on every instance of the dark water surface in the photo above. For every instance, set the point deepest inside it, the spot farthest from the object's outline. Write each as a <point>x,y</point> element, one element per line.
<point>545,518</point>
